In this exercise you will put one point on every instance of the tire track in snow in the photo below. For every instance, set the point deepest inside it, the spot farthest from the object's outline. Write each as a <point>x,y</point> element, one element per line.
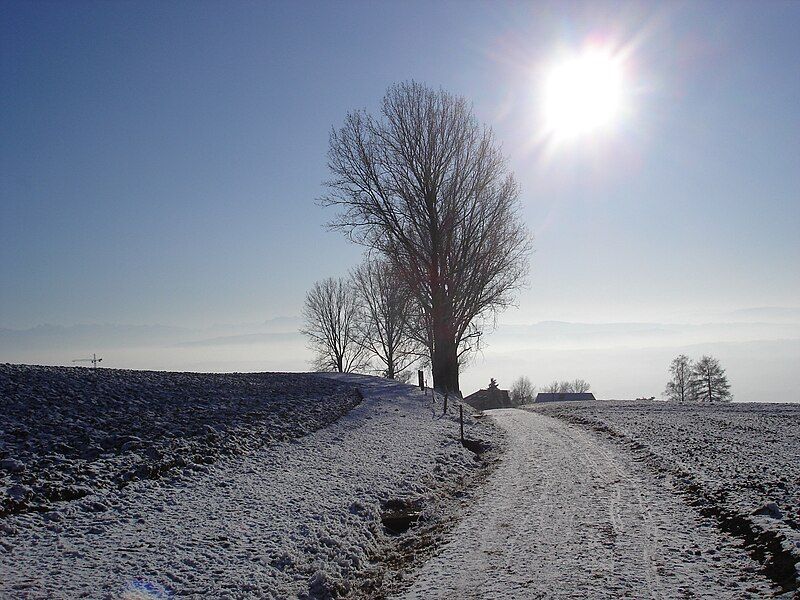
<point>566,516</point>
<point>649,546</point>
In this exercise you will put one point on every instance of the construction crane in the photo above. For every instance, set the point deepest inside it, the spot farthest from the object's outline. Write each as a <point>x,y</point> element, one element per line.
<point>94,360</point>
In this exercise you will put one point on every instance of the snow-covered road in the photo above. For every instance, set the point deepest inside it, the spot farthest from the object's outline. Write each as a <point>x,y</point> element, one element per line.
<point>566,515</point>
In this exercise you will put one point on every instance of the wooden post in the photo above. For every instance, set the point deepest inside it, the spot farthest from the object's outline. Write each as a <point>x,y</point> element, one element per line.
<point>461,419</point>
<point>421,380</point>
<point>445,404</point>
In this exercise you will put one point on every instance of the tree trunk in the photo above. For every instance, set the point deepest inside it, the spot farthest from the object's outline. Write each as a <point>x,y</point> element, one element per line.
<point>445,365</point>
<point>444,359</point>
<point>390,363</point>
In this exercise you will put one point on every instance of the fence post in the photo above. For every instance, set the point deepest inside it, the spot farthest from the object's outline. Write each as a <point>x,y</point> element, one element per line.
<point>461,420</point>
<point>445,404</point>
<point>421,380</point>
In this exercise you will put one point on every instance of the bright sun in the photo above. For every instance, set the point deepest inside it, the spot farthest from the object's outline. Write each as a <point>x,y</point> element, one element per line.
<point>584,94</point>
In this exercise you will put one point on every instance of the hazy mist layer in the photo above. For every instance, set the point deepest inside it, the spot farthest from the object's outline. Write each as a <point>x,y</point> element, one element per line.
<point>759,348</point>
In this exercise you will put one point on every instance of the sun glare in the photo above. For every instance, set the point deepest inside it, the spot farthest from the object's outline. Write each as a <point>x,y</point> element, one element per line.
<point>583,94</point>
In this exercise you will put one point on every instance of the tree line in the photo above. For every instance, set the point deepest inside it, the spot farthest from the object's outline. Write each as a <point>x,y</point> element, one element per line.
<point>523,391</point>
<point>701,381</point>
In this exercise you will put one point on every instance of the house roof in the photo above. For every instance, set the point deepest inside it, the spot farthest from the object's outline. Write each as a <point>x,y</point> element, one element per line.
<point>488,399</point>
<point>564,397</point>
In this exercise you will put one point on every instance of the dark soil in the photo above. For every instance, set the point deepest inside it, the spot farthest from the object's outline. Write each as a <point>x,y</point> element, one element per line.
<point>67,432</point>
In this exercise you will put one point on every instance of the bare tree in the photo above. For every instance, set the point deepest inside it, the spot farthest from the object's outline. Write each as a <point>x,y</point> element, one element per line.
<point>579,386</point>
<point>330,313</point>
<point>679,388</point>
<point>709,382</point>
<point>522,391</point>
<point>552,388</point>
<point>385,318</point>
<point>425,184</point>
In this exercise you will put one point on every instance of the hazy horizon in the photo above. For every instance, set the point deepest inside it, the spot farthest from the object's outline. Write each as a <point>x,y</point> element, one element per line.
<point>760,349</point>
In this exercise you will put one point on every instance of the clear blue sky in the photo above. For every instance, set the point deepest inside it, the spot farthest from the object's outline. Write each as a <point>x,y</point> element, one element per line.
<point>159,162</point>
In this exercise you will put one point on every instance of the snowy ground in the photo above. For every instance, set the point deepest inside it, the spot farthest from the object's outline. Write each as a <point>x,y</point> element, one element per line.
<point>291,485</point>
<point>66,433</point>
<point>567,515</point>
<point>737,464</point>
<point>295,518</point>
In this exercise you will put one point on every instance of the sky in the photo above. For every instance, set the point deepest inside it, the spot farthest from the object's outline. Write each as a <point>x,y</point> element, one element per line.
<point>160,165</point>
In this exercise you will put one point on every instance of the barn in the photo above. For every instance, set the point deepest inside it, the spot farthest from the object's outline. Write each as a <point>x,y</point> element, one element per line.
<point>490,398</point>
<point>564,397</point>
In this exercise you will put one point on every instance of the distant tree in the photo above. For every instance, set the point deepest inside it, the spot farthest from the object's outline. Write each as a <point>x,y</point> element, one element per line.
<point>579,386</point>
<point>552,388</point>
<point>522,391</point>
<point>330,316</point>
<point>709,382</point>
<point>385,324</point>
<point>425,184</point>
<point>679,388</point>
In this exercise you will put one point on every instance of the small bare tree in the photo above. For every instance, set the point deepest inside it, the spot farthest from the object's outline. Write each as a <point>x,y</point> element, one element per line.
<point>330,313</point>
<point>552,388</point>
<point>679,388</point>
<point>385,317</point>
<point>425,185</point>
<point>522,391</point>
<point>579,386</point>
<point>709,382</point>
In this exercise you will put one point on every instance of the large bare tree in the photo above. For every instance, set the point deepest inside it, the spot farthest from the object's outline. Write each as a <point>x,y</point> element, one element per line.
<point>385,318</point>
<point>330,317</point>
<point>425,184</point>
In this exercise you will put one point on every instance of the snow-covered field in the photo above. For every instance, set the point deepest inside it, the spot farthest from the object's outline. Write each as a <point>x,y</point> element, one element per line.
<point>147,484</point>
<point>66,433</point>
<point>289,503</point>
<point>737,464</point>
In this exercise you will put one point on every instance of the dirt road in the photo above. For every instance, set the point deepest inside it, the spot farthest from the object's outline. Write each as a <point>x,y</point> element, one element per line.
<point>568,515</point>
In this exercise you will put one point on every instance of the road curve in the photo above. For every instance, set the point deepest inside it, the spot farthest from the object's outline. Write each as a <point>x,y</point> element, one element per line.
<point>568,515</point>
